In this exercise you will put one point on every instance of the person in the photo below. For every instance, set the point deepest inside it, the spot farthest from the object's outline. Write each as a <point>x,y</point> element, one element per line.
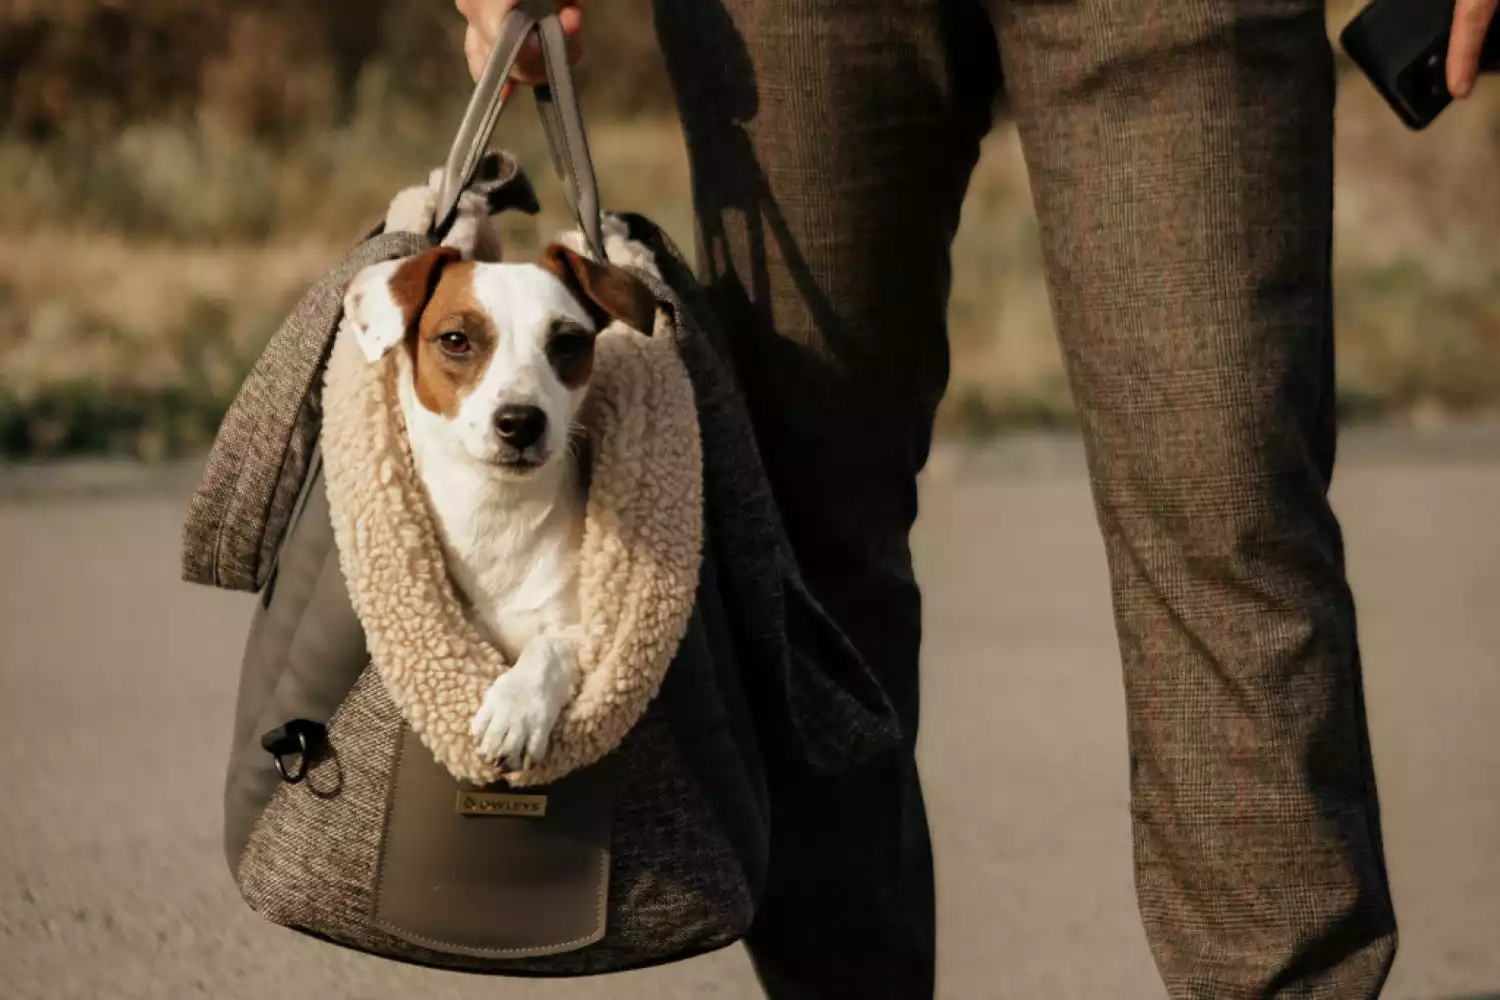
<point>1181,162</point>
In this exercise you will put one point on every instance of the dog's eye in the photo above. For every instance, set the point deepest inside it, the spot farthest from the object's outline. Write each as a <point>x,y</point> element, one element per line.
<point>455,343</point>
<point>563,346</point>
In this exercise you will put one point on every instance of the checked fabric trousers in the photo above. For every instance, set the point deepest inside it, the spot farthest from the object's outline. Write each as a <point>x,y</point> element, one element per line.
<point>1180,157</point>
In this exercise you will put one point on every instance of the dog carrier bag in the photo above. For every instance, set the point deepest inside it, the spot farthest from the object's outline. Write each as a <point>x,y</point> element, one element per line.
<point>353,812</point>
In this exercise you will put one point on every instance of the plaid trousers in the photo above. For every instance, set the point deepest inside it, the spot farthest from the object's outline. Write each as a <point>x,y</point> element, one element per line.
<point>1180,157</point>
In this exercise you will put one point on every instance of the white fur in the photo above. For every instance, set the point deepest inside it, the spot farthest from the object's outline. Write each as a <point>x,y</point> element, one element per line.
<point>511,538</point>
<point>472,232</point>
<point>511,542</point>
<point>372,312</point>
<point>619,248</point>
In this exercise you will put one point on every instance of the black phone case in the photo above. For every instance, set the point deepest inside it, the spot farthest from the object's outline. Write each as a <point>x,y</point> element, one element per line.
<point>1402,47</point>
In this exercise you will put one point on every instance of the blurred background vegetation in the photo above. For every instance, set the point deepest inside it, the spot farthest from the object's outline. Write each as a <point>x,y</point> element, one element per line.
<point>175,173</point>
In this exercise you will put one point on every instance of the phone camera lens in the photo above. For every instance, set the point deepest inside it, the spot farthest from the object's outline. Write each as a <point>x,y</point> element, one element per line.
<point>1435,82</point>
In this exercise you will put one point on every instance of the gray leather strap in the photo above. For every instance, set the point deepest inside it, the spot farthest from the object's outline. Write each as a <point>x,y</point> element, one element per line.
<point>562,121</point>
<point>478,124</point>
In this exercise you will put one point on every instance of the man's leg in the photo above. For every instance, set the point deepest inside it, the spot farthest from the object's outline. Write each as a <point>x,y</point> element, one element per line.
<point>830,159</point>
<point>1181,160</point>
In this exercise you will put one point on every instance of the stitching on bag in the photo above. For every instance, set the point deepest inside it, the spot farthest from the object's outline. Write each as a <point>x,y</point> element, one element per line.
<point>299,501</point>
<point>540,951</point>
<point>560,134</point>
<point>289,674</point>
<point>537,951</point>
<point>234,491</point>
<point>604,860</point>
<point>299,506</point>
<point>385,825</point>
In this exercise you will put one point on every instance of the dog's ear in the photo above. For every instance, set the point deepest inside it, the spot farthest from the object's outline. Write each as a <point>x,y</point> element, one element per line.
<point>608,292</point>
<point>385,299</point>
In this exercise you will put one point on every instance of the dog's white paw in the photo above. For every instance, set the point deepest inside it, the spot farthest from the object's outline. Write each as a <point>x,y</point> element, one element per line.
<point>514,723</point>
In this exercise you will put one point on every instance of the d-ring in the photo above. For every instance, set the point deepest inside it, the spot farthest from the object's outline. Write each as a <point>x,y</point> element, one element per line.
<point>296,737</point>
<point>301,771</point>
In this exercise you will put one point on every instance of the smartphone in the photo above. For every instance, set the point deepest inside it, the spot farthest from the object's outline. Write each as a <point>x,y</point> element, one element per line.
<point>1402,47</point>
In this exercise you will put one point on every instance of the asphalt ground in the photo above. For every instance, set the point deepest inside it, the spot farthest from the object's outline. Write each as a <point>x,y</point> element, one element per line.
<point>117,680</point>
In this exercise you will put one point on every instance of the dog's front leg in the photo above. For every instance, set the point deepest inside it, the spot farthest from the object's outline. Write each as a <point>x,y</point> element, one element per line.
<point>514,723</point>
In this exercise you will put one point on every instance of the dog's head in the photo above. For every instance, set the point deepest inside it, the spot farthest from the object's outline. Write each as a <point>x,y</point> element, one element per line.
<point>496,358</point>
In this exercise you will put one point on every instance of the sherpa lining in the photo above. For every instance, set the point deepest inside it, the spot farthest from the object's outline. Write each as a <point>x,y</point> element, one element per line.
<point>639,564</point>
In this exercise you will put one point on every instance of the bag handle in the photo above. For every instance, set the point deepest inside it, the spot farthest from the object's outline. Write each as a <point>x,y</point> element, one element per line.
<point>562,121</point>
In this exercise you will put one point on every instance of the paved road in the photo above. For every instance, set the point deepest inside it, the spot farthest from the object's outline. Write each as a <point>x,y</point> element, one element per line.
<point>116,684</point>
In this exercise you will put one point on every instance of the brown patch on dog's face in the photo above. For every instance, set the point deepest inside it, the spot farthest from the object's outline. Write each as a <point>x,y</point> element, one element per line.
<point>416,279</point>
<point>570,352</point>
<point>451,342</point>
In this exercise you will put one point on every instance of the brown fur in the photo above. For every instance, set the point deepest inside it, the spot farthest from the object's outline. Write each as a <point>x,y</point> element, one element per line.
<point>576,369</point>
<point>441,379</point>
<point>639,558</point>
<point>607,291</point>
<point>413,283</point>
<point>435,291</point>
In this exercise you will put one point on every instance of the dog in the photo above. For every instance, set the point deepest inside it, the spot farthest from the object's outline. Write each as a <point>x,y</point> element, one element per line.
<point>493,368</point>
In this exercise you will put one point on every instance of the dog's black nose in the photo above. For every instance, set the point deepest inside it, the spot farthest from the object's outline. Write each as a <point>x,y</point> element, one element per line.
<point>520,426</point>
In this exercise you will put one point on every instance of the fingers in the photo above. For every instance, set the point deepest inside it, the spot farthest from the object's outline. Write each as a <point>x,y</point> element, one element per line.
<point>1471,22</point>
<point>485,15</point>
<point>571,18</point>
<point>485,18</point>
<point>529,68</point>
<point>570,15</point>
<point>476,51</point>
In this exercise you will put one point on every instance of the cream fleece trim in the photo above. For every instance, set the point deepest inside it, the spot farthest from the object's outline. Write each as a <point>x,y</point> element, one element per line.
<point>639,564</point>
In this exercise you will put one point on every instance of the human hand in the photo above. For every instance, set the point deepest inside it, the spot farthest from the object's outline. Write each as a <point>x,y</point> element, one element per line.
<point>485,18</point>
<point>1471,23</point>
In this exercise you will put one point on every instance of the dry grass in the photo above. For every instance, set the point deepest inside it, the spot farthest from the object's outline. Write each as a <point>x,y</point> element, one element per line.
<point>1417,273</point>
<point>139,277</point>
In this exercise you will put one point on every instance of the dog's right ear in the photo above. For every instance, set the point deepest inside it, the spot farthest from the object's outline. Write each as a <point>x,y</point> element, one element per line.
<point>385,299</point>
<point>607,291</point>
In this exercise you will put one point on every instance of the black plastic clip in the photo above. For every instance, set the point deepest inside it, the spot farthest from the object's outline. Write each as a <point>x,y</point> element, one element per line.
<point>299,737</point>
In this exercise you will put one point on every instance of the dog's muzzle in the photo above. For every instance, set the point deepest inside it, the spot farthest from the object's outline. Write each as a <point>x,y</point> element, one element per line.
<point>522,431</point>
<point>520,427</point>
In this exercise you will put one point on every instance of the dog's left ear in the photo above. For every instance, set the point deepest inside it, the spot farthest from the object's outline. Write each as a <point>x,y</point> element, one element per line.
<point>608,292</point>
<point>385,299</point>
